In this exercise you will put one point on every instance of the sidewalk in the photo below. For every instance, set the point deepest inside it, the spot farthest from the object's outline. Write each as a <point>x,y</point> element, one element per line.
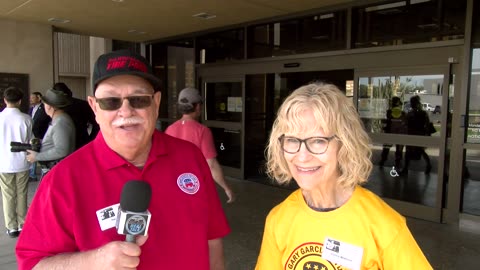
<point>8,260</point>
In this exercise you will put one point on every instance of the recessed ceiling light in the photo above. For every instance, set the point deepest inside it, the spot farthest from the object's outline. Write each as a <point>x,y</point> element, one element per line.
<point>133,31</point>
<point>58,20</point>
<point>204,16</point>
<point>118,1</point>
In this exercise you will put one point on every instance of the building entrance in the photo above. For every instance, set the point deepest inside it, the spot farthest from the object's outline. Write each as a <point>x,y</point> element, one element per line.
<point>412,171</point>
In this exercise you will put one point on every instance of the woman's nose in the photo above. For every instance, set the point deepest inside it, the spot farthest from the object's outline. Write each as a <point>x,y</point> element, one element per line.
<point>303,153</point>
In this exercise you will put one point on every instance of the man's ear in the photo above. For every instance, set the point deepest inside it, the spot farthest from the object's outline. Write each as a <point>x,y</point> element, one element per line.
<point>157,98</point>
<point>92,103</point>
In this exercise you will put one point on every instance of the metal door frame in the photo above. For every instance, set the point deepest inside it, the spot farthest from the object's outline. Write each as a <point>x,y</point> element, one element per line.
<point>229,171</point>
<point>408,208</point>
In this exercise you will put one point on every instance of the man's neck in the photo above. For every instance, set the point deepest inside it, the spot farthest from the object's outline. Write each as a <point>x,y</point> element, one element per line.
<point>189,117</point>
<point>12,106</point>
<point>136,157</point>
<point>139,160</point>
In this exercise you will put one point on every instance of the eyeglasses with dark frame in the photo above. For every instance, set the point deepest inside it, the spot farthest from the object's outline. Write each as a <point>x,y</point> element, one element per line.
<point>315,145</point>
<point>115,103</point>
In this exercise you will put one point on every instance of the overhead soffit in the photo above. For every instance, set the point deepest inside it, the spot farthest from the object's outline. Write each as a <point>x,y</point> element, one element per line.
<point>157,18</point>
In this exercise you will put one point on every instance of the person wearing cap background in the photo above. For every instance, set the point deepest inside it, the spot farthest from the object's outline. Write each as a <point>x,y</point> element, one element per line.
<point>86,128</point>
<point>188,128</point>
<point>59,140</point>
<point>65,226</point>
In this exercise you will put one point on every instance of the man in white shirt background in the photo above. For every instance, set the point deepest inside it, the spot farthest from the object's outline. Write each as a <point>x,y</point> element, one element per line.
<point>15,126</point>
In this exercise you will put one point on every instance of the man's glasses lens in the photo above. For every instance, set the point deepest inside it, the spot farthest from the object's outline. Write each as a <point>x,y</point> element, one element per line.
<point>315,145</point>
<point>114,103</point>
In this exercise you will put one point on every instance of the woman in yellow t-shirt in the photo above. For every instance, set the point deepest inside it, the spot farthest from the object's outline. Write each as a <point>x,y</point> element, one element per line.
<point>330,222</point>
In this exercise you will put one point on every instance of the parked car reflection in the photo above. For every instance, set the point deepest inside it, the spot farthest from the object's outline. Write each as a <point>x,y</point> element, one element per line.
<point>428,107</point>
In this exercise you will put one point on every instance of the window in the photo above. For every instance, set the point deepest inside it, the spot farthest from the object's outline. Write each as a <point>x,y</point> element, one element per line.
<point>315,33</point>
<point>410,21</point>
<point>375,95</point>
<point>220,47</point>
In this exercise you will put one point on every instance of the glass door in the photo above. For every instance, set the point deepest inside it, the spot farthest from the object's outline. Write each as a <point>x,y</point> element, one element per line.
<point>406,113</point>
<point>224,114</point>
<point>470,172</point>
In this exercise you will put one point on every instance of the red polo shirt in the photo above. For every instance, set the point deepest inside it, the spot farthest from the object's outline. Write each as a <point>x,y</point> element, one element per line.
<point>185,208</point>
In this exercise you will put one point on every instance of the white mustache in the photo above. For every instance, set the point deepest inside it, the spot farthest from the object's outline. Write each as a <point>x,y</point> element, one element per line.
<point>128,121</point>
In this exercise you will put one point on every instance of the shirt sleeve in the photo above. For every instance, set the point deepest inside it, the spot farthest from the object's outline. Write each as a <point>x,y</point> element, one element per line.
<point>62,139</point>
<point>270,256</point>
<point>208,145</point>
<point>47,230</point>
<point>404,253</point>
<point>29,129</point>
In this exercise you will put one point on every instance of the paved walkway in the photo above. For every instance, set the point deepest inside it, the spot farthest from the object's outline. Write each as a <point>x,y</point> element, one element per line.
<point>7,245</point>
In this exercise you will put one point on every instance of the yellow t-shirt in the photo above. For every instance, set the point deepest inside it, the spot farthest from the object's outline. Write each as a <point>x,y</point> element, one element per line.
<point>294,235</point>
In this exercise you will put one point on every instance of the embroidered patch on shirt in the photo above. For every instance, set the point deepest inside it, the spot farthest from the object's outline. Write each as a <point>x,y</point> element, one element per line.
<point>188,183</point>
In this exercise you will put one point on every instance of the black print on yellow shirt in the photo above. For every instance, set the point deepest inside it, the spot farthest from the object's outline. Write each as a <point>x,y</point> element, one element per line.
<point>308,256</point>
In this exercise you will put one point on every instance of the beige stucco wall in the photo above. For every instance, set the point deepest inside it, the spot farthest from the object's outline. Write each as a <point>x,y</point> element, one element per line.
<point>27,48</point>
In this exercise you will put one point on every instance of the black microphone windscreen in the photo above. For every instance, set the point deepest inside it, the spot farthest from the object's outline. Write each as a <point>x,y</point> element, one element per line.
<point>136,196</point>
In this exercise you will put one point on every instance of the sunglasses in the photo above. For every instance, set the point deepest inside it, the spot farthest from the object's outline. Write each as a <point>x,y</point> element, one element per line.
<point>114,103</point>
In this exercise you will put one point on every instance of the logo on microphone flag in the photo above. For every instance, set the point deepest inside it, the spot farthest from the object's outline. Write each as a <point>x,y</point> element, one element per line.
<point>132,223</point>
<point>135,224</point>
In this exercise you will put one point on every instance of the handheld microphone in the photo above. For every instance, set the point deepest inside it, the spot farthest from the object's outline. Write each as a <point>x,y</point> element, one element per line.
<point>133,217</point>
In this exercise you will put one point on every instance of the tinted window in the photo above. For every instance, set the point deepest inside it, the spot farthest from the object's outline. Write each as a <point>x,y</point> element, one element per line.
<point>315,33</point>
<point>406,22</point>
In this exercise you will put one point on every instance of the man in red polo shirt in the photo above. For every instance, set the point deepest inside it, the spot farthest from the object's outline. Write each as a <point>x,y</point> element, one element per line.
<point>67,226</point>
<point>188,128</point>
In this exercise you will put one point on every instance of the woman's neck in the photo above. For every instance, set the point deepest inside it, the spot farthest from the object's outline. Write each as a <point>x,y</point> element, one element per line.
<point>327,199</point>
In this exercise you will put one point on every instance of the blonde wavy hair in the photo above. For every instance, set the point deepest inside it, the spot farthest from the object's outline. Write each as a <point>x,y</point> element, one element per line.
<point>336,115</point>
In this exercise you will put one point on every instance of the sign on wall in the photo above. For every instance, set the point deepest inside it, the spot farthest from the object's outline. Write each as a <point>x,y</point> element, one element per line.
<point>17,80</point>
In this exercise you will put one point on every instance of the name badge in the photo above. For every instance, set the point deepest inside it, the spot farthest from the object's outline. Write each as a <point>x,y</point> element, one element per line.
<point>107,217</point>
<point>342,253</point>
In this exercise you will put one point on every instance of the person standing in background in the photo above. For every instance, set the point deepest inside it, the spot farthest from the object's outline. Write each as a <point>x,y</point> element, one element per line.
<point>86,128</point>
<point>188,128</point>
<point>40,118</point>
<point>15,126</point>
<point>41,122</point>
<point>59,140</point>
<point>35,103</point>
<point>395,123</point>
<point>417,124</point>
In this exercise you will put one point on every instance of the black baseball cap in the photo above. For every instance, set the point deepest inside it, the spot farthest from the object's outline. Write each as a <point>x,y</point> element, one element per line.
<point>123,62</point>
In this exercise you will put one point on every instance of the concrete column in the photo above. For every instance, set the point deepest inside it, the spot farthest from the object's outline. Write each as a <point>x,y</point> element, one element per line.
<point>98,46</point>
